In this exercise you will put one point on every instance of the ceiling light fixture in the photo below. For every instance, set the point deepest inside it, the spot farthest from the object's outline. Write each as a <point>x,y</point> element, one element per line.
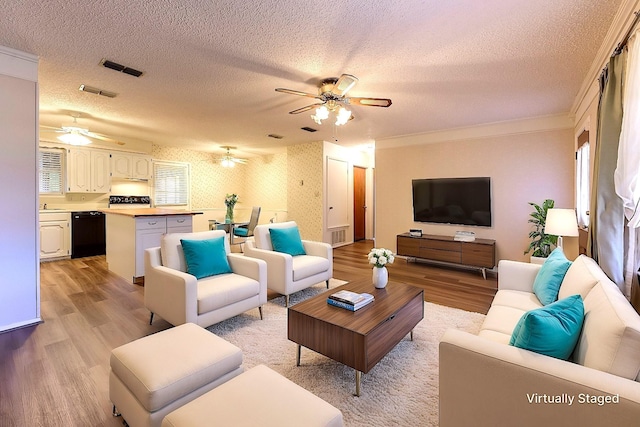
<point>322,113</point>
<point>74,135</point>
<point>227,162</point>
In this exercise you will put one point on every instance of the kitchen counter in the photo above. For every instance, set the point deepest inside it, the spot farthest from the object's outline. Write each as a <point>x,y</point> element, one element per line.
<point>131,231</point>
<point>142,212</point>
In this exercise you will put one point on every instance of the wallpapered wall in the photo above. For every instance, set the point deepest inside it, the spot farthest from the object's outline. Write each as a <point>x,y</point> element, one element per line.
<point>304,188</point>
<point>261,182</point>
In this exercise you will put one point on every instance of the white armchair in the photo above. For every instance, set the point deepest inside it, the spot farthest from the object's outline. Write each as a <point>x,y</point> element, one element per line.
<point>287,274</point>
<point>178,297</point>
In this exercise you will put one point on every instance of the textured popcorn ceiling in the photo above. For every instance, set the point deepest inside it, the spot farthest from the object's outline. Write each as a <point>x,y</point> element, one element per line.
<point>211,67</point>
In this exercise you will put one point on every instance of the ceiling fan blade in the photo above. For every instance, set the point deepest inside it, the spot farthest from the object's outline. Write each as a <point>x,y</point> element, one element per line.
<point>344,83</point>
<point>297,92</point>
<point>241,161</point>
<point>100,137</point>
<point>307,108</point>
<point>370,102</point>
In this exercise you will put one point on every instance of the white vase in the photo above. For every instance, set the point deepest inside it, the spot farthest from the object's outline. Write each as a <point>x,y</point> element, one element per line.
<point>380,277</point>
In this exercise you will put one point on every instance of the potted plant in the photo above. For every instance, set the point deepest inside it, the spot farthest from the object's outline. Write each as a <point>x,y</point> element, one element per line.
<point>540,242</point>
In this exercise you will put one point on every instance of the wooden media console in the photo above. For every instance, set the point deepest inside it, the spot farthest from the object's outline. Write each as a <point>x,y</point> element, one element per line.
<point>481,253</point>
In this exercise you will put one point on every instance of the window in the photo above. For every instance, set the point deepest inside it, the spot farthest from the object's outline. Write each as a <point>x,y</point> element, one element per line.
<point>50,171</point>
<point>171,183</point>
<point>583,193</point>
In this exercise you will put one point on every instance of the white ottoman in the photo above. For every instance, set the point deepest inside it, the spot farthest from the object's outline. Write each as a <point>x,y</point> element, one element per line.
<point>258,397</point>
<point>154,375</point>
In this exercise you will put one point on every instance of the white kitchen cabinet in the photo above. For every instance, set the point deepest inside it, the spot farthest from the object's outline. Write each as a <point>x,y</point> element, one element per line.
<point>149,232</point>
<point>88,171</point>
<point>180,224</point>
<point>129,235</point>
<point>130,166</point>
<point>100,172</point>
<point>55,235</point>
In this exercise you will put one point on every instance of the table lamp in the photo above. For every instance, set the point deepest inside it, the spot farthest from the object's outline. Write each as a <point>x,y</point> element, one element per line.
<point>563,223</point>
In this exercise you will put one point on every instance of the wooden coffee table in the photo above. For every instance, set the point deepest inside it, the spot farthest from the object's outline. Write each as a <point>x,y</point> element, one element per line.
<point>357,339</point>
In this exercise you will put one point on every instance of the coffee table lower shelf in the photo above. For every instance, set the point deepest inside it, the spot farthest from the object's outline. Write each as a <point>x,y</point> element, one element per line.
<point>357,339</point>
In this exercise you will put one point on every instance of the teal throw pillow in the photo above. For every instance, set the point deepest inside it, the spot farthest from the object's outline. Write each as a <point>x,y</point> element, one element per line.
<point>287,240</point>
<point>549,278</point>
<point>552,330</point>
<point>205,258</point>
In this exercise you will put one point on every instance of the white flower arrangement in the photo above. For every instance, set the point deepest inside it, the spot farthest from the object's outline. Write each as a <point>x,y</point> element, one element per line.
<point>230,200</point>
<point>380,257</point>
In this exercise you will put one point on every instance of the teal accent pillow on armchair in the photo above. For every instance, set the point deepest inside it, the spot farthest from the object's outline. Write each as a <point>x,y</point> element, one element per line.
<point>205,258</point>
<point>552,330</point>
<point>287,240</point>
<point>549,278</point>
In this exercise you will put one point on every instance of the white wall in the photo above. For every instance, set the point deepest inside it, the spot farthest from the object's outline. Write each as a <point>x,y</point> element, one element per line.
<point>20,277</point>
<point>526,163</point>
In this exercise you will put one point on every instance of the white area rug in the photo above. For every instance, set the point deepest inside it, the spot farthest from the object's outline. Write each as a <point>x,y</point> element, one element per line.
<point>401,390</point>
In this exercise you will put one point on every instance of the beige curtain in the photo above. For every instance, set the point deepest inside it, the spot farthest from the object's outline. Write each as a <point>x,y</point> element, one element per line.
<point>606,232</point>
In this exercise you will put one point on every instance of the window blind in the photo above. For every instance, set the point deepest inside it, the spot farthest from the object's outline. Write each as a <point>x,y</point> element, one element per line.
<point>50,171</point>
<point>171,183</point>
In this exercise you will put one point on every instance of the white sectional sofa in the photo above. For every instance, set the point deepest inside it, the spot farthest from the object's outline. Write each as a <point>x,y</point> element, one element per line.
<point>484,381</point>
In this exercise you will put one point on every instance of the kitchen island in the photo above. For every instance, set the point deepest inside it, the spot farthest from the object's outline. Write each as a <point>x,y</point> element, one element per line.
<point>131,231</point>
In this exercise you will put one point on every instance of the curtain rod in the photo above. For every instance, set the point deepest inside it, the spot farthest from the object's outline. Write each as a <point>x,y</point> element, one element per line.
<point>624,41</point>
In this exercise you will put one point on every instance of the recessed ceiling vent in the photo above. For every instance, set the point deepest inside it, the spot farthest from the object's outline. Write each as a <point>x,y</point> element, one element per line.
<point>273,135</point>
<point>96,91</point>
<point>119,67</point>
<point>308,129</point>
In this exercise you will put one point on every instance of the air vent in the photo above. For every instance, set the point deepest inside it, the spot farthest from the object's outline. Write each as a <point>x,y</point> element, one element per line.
<point>273,135</point>
<point>308,129</point>
<point>96,91</point>
<point>119,67</point>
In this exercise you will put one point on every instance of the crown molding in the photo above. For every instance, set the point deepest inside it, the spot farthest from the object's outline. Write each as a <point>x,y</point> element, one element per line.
<point>18,64</point>
<point>511,127</point>
<point>621,23</point>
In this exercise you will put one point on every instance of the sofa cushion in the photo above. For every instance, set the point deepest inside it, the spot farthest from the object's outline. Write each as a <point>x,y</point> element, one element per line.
<point>287,240</point>
<point>163,367</point>
<point>549,278</point>
<point>581,277</point>
<point>552,330</point>
<point>308,265</point>
<point>219,291</point>
<point>205,258</point>
<point>171,248</point>
<point>610,339</point>
<point>502,319</point>
<point>517,299</point>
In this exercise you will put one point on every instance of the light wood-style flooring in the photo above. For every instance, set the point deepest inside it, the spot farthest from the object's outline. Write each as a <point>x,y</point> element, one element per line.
<point>56,373</point>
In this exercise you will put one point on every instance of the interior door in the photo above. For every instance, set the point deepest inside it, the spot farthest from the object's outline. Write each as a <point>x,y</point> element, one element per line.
<point>337,193</point>
<point>359,203</point>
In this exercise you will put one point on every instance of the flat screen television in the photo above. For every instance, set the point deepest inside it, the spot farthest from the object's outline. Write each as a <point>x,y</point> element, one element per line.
<point>463,201</point>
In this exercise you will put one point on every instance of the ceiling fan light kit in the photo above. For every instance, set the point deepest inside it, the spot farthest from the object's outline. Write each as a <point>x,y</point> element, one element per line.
<point>332,92</point>
<point>74,137</point>
<point>228,161</point>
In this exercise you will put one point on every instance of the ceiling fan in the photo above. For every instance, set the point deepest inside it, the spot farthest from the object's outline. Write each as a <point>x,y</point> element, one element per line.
<point>332,94</point>
<point>228,161</point>
<point>74,134</point>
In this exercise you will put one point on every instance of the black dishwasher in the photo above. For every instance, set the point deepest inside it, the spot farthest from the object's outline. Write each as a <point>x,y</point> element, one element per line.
<point>88,236</point>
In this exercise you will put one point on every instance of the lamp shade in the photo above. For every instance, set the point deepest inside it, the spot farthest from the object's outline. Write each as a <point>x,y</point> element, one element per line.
<point>561,222</point>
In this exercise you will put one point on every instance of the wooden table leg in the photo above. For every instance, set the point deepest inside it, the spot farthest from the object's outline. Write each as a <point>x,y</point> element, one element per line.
<point>298,355</point>
<point>358,378</point>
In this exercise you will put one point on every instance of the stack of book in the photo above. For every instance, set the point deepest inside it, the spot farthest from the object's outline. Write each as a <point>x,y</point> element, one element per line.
<point>349,300</point>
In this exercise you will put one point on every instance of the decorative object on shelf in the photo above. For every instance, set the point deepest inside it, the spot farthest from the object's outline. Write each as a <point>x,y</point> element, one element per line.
<point>380,258</point>
<point>540,241</point>
<point>230,201</point>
